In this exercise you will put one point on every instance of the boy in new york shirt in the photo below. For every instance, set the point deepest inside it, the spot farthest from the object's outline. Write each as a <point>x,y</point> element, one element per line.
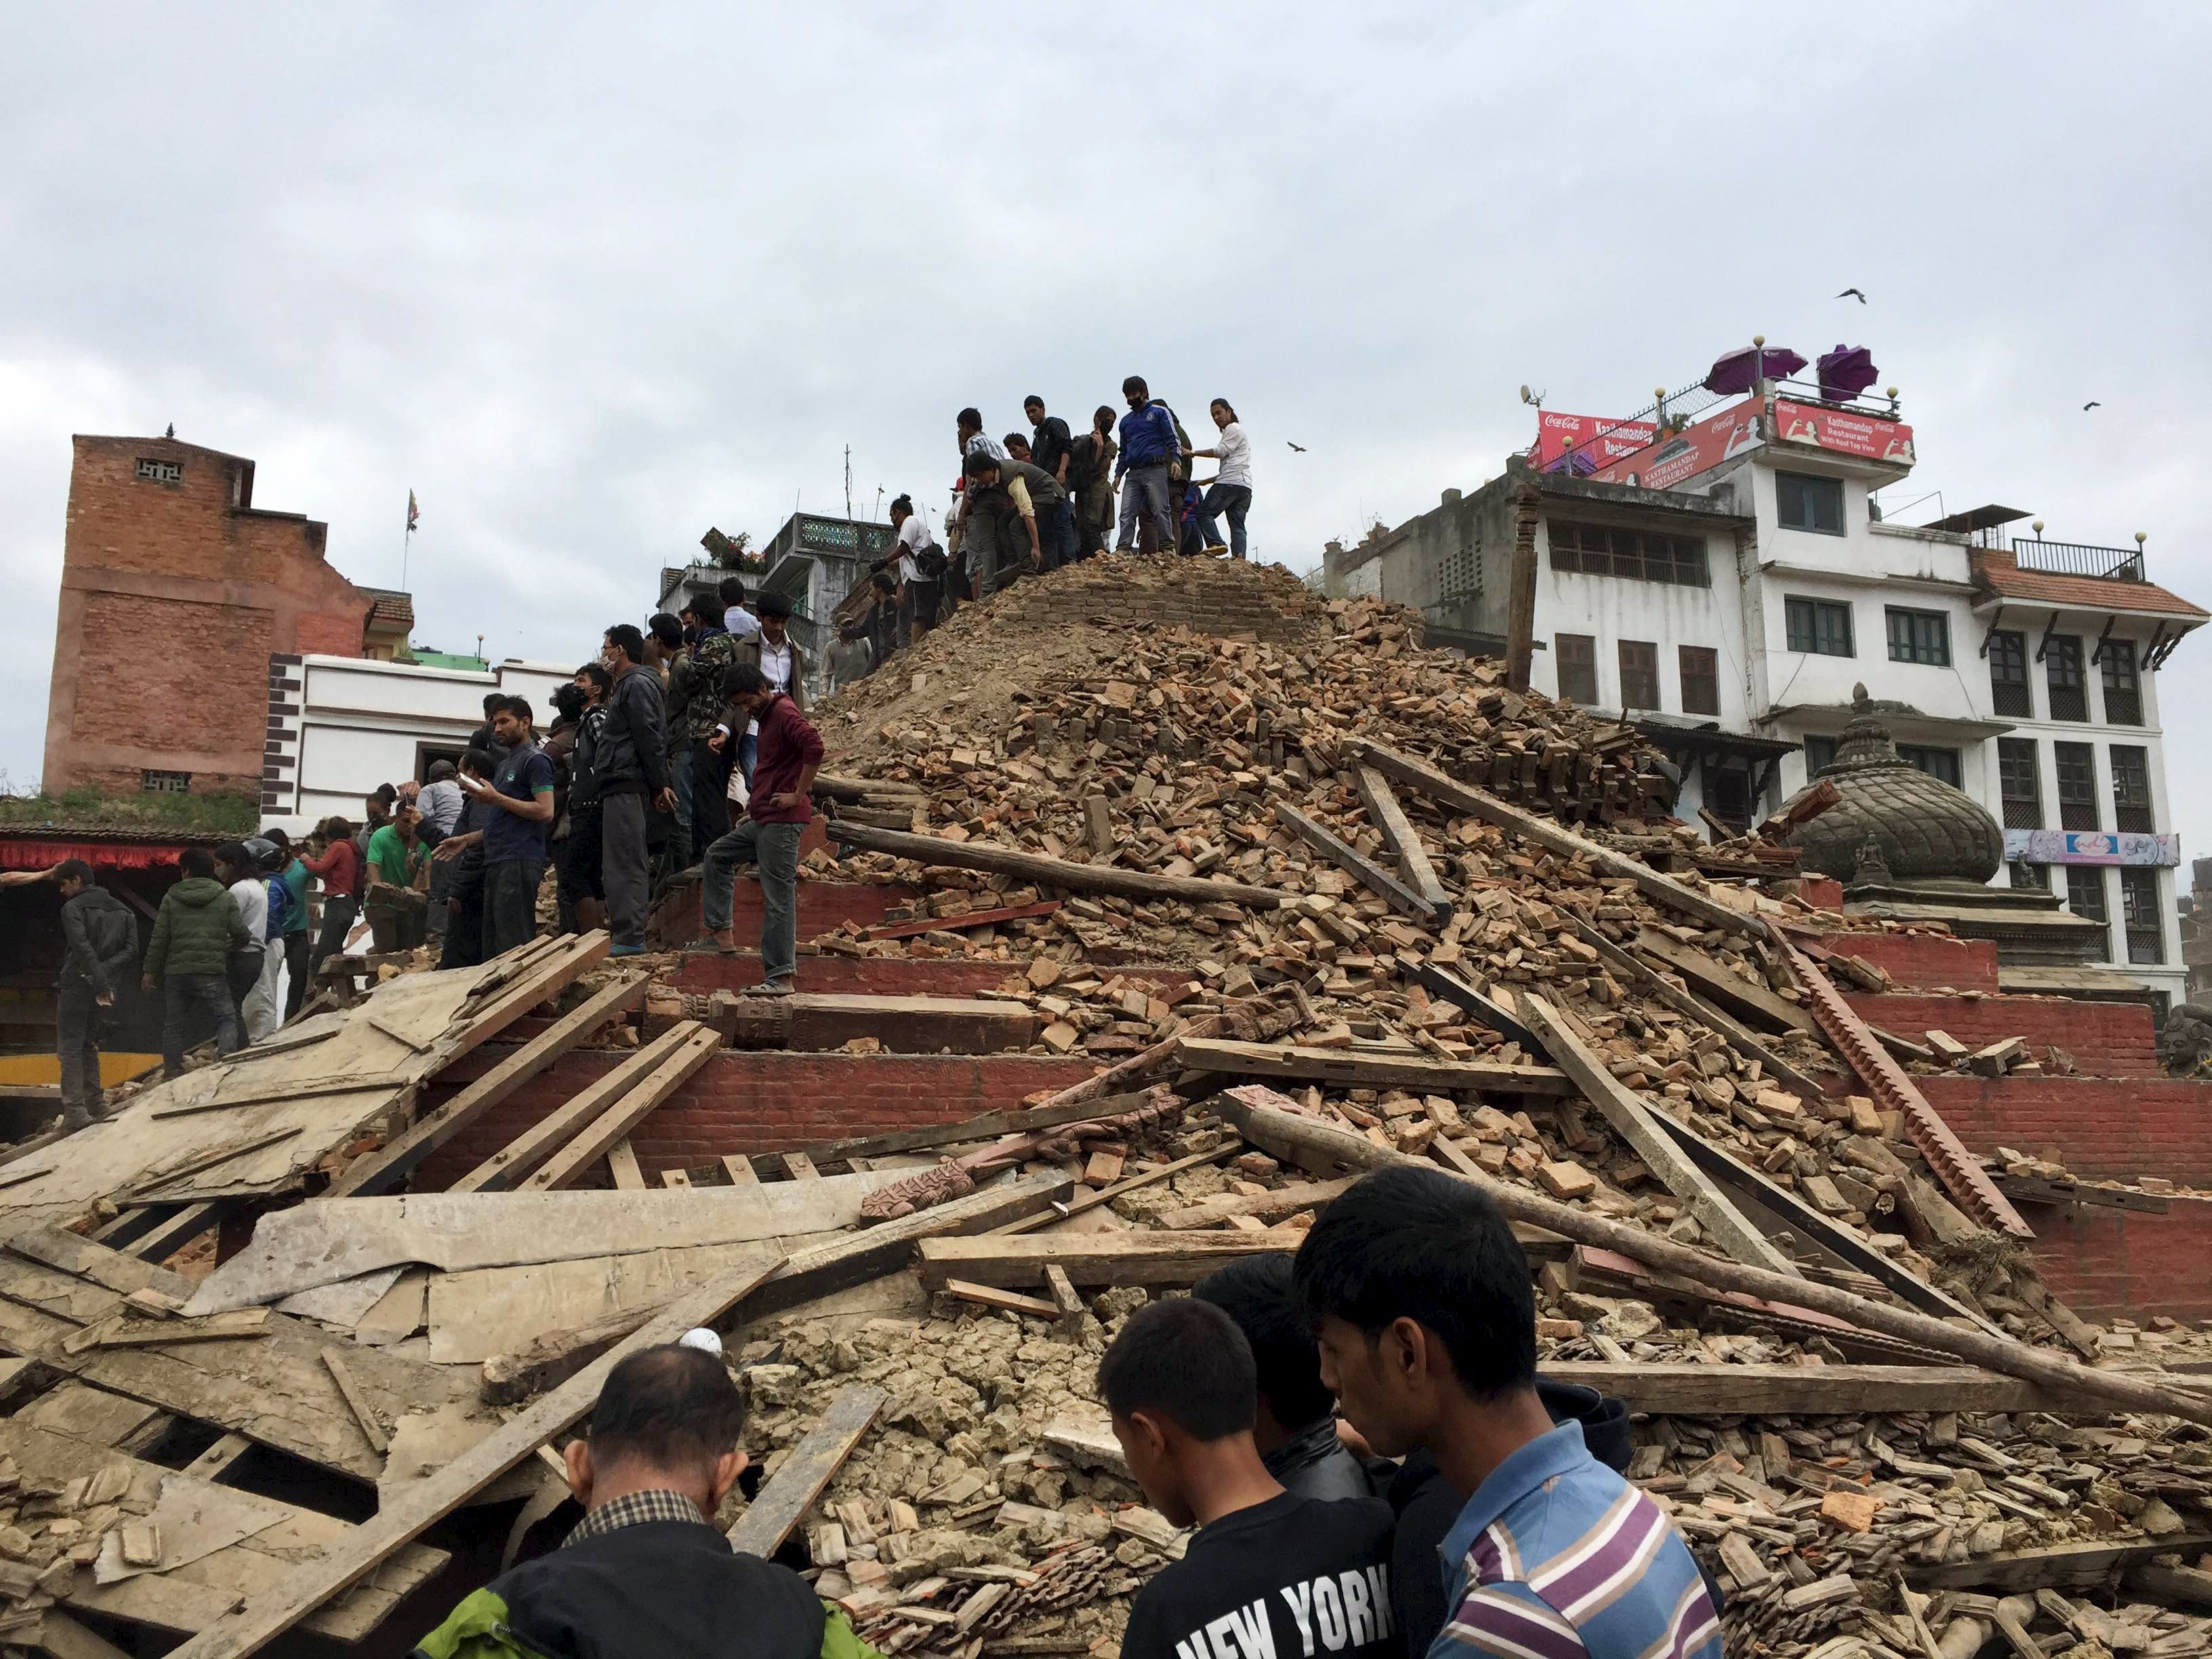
<point>1269,1575</point>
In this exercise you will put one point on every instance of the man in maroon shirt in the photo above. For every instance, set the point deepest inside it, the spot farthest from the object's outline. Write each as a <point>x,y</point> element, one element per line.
<point>767,836</point>
<point>339,868</point>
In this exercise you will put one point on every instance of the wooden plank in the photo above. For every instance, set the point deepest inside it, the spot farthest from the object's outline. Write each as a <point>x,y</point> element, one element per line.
<point>154,1232</point>
<point>358,1401</point>
<point>1632,1121</point>
<point>806,1469</point>
<point>1065,1298</point>
<point>1416,1072</point>
<point>2056,1566</point>
<point>304,1089</point>
<point>1278,1204</point>
<point>1731,991</point>
<point>698,1045</point>
<point>513,1163</point>
<point>988,1126</point>
<point>1362,868</point>
<point>1093,1200</point>
<point>678,1179</point>
<point>1404,841</point>
<point>1667,1388</point>
<point>800,1167</point>
<point>813,1274</point>
<point>1056,872</point>
<point>62,1637</point>
<point>1131,1258</point>
<point>215,1462</point>
<point>551,972</point>
<point>382,1170</point>
<point>993,1296</point>
<point>965,919</point>
<point>1465,798</point>
<point>740,1170</point>
<point>622,1164</point>
<point>2189,1587</point>
<point>215,1327</point>
<point>153,1184</point>
<point>1442,981</point>
<point>554,1357</point>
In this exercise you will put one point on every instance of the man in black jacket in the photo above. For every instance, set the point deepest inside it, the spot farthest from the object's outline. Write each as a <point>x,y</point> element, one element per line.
<point>633,770</point>
<point>99,944</point>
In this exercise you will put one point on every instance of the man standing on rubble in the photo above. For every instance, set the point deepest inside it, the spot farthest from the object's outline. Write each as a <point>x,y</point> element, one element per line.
<point>1000,520</point>
<point>1421,1301</point>
<point>776,816</point>
<point>1056,511</point>
<point>694,688</point>
<point>195,932</point>
<point>99,941</point>
<point>632,765</point>
<point>521,797</point>
<point>338,868</point>
<point>1149,447</point>
<point>648,1571</point>
<point>771,649</point>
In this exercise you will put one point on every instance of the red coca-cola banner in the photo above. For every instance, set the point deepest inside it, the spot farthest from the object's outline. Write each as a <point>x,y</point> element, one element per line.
<point>1599,439</point>
<point>1842,431</point>
<point>1695,449</point>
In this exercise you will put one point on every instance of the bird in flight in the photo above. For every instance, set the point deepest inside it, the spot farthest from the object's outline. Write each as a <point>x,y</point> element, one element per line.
<point>1301,448</point>
<point>1852,293</point>
<point>2092,404</point>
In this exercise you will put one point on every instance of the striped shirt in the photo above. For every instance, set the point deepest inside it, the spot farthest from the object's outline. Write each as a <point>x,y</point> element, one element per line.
<point>1556,1557</point>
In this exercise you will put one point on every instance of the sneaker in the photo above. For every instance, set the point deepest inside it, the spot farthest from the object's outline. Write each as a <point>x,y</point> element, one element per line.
<point>627,951</point>
<point>74,1118</point>
<point>774,988</point>
<point>1215,549</point>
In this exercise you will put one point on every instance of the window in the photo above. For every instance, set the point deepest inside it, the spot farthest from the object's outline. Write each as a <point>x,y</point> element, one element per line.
<point>165,783</point>
<point>1639,675</point>
<point>1701,679</point>
<point>2008,692</point>
<point>1461,575</point>
<point>2019,783</point>
<point>1822,626</point>
<point>1647,556</point>
<point>2122,685</point>
<point>2131,789</point>
<point>1804,502</point>
<point>1819,755</point>
<point>1941,765</point>
<point>2146,926</point>
<point>1577,655</point>
<point>2062,669</point>
<point>1727,791</point>
<point>1921,636</point>
<point>2076,766</point>
<point>168,472</point>
<point>2085,898</point>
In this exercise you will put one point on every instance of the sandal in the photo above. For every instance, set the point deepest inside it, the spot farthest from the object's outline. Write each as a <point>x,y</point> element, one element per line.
<point>771,987</point>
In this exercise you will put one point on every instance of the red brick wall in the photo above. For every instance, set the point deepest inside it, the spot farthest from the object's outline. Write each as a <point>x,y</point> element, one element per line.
<point>2102,1262</point>
<point>761,1102</point>
<point>1924,961</point>
<point>894,976</point>
<point>174,597</point>
<point>823,907</point>
<point>2106,1128</point>
<point>2106,1039</point>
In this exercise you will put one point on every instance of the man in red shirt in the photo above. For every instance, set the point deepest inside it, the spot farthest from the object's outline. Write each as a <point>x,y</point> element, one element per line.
<point>766,838</point>
<point>339,868</point>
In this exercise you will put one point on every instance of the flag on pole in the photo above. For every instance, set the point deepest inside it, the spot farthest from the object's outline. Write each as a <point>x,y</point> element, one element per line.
<point>413,513</point>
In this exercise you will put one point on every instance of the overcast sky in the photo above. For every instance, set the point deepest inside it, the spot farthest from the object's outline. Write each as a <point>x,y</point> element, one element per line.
<point>590,279</point>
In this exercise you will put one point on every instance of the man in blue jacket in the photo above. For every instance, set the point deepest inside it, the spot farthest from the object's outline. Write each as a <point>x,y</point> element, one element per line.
<point>1148,446</point>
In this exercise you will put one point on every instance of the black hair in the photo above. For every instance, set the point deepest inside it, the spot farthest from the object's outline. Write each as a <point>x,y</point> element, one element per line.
<point>707,608</point>
<point>337,829</point>
<point>1418,1244</point>
<point>903,500</point>
<point>979,463</point>
<point>567,700</point>
<point>441,770</point>
<point>597,674</point>
<point>1185,1361</point>
<point>492,699</point>
<point>883,580</point>
<point>1033,399</point>
<point>232,852</point>
<point>520,708</point>
<point>665,629</point>
<point>73,870</point>
<point>1256,1293</point>
<point>1013,439</point>
<point>668,1407</point>
<point>774,604</point>
<point>478,762</point>
<point>1103,419</point>
<point>626,639</point>
<point>282,842</point>
<point>196,861</point>
<point>970,417</point>
<point>740,678</point>
<point>1226,405</point>
<point>1135,386</point>
<point>732,591</point>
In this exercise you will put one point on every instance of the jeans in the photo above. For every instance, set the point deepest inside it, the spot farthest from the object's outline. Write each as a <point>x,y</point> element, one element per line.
<point>510,908</point>
<point>338,922</point>
<point>187,995</point>
<point>1236,500</point>
<point>442,889</point>
<point>623,865</point>
<point>710,800</point>
<point>464,927</point>
<point>1145,489</point>
<point>773,848</point>
<point>80,1017</point>
<point>398,917</point>
<point>678,850</point>
<point>1056,535</point>
<point>297,945</point>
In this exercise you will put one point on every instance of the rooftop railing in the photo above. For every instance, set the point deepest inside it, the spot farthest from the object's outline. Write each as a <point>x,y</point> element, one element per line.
<point>2119,564</point>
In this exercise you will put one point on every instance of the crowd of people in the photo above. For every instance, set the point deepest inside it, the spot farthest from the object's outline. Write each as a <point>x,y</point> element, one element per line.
<point>1359,1433</point>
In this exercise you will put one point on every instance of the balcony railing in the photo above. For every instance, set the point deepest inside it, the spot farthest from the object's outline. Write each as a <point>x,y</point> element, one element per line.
<point>2145,946</point>
<point>2119,564</point>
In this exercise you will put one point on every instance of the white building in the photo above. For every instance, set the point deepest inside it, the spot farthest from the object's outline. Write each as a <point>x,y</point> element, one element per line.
<point>339,726</point>
<point>1731,610</point>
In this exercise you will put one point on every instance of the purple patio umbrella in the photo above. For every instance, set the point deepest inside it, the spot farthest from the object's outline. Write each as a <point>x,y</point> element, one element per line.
<point>1740,371</point>
<point>1845,373</point>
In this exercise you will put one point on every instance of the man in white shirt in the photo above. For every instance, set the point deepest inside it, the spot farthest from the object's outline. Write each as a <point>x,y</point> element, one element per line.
<point>917,591</point>
<point>254,973</point>
<point>739,621</point>
<point>1231,491</point>
<point>781,663</point>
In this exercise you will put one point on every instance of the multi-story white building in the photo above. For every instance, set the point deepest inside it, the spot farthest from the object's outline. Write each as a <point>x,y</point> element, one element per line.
<point>1729,584</point>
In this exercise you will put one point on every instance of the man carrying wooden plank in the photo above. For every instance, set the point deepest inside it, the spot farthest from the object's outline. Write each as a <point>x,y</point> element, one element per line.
<point>647,1570</point>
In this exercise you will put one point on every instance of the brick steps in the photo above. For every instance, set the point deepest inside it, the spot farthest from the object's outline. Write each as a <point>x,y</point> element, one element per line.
<point>949,976</point>
<point>2106,1039</point>
<point>1924,961</point>
<point>820,1021</point>
<point>823,907</point>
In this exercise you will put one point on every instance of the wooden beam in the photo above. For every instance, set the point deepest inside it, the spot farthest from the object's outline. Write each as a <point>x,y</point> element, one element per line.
<point>513,1163</point>
<point>545,973</point>
<point>1632,1121</point>
<point>2056,1566</point>
<point>1056,872</point>
<point>1556,838</point>
<point>1674,1389</point>
<point>1404,841</point>
<point>1359,865</point>
<point>740,1170</point>
<point>1108,1194</point>
<point>807,1468</point>
<point>382,1170</point>
<point>553,1356</point>
<point>1004,1301</point>
<point>1521,588</point>
<point>2189,1587</point>
<point>622,1165</point>
<point>694,1048</point>
<point>1278,1204</point>
<point>800,1167</point>
<point>965,919</point>
<point>1311,1139</point>
<point>1370,1070</point>
<point>1132,1258</point>
<point>1714,983</point>
<point>989,1126</point>
<point>1442,981</point>
<point>154,1232</point>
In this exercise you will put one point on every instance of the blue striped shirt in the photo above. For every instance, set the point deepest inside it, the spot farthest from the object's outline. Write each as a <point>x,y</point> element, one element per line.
<point>1556,1557</point>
